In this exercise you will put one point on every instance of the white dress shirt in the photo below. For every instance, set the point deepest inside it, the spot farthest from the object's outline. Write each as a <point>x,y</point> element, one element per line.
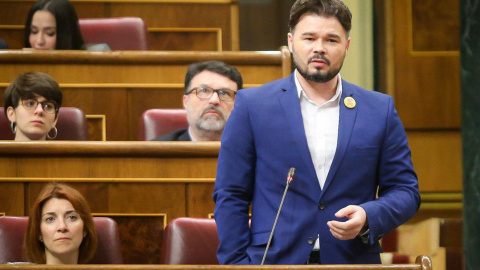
<point>321,128</point>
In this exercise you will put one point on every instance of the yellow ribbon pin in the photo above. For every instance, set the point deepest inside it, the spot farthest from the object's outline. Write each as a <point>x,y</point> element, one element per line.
<point>349,102</point>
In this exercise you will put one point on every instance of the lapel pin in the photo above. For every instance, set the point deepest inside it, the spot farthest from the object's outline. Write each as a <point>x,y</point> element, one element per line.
<point>349,102</point>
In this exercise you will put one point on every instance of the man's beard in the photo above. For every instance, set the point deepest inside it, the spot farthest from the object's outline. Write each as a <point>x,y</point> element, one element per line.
<point>211,122</point>
<point>318,76</point>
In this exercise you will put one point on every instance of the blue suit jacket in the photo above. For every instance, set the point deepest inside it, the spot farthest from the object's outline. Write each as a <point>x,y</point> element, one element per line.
<point>265,136</point>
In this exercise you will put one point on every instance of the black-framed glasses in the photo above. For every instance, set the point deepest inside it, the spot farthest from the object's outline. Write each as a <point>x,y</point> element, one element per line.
<point>224,94</point>
<point>47,106</point>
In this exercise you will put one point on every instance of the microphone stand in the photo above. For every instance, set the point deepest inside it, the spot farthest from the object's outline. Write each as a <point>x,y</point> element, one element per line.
<point>291,172</point>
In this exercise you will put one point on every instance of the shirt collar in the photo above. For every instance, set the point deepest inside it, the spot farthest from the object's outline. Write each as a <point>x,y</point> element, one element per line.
<point>338,92</point>
<point>190,134</point>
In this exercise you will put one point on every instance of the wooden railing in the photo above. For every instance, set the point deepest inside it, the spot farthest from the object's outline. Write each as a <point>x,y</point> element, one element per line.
<point>421,263</point>
<point>121,85</point>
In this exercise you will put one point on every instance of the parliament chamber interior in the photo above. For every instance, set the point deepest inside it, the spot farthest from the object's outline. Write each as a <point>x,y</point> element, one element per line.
<point>144,185</point>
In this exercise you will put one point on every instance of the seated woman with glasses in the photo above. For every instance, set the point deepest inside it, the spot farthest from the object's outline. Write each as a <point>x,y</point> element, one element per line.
<point>60,228</point>
<point>32,102</point>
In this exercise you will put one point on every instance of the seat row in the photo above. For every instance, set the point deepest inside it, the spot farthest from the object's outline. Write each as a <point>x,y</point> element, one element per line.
<point>72,124</point>
<point>170,24</point>
<point>185,241</point>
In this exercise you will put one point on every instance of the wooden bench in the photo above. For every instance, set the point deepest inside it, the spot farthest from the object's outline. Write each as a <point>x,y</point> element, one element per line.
<point>142,185</point>
<point>210,25</point>
<point>121,85</point>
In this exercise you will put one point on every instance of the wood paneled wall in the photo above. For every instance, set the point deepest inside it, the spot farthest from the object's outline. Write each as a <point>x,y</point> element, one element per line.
<point>172,24</point>
<point>122,85</point>
<point>421,68</point>
<point>419,65</point>
<point>427,66</point>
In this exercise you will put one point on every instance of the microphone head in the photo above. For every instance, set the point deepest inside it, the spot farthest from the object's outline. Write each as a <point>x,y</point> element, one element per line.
<point>290,175</point>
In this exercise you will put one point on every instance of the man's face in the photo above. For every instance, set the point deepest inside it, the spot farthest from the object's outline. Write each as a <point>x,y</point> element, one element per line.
<point>319,46</point>
<point>208,114</point>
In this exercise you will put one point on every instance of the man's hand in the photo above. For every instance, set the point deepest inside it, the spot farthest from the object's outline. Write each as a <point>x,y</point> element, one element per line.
<point>357,218</point>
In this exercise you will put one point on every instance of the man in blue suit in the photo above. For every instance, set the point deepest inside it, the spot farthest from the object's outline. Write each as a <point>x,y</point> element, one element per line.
<point>354,178</point>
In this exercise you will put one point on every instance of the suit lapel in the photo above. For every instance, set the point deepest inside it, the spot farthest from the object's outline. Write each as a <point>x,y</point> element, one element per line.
<point>184,136</point>
<point>290,104</point>
<point>345,128</point>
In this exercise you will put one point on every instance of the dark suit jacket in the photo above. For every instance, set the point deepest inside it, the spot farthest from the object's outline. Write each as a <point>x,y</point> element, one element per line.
<point>3,44</point>
<point>265,136</point>
<point>177,135</point>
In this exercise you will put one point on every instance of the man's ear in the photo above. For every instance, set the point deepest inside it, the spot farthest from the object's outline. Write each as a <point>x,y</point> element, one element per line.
<point>185,99</point>
<point>290,42</point>
<point>348,46</point>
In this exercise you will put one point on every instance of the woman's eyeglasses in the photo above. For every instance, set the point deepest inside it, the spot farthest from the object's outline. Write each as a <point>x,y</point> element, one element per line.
<point>47,106</point>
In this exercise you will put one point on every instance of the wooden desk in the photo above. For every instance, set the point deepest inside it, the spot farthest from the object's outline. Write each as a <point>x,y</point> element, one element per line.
<point>422,263</point>
<point>123,84</point>
<point>172,25</point>
<point>142,185</point>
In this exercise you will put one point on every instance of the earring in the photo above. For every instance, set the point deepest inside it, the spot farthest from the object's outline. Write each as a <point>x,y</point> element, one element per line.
<point>40,239</point>
<point>13,127</point>
<point>54,136</point>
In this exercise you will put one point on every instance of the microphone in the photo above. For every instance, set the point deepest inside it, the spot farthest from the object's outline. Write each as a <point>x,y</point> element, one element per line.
<point>290,175</point>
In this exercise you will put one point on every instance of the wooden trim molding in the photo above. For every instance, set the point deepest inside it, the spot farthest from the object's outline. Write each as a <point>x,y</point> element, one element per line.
<point>106,180</point>
<point>442,197</point>
<point>127,149</point>
<point>91,118</point>
<point>216,31</point>
<point>128,85</point>
<point>144,1</point>
<point>234,26</point>
<point>164,215</point>
<point>139,57</point>
<point>442,201</point>
<point>410,38</point>
<point>11,27</point>
<point>421,263</point>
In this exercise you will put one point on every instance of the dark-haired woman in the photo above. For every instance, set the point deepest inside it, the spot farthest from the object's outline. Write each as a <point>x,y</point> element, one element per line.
<point>32,102</point>
<point>53,25</point>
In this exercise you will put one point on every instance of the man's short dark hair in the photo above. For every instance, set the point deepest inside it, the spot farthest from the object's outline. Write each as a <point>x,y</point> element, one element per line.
<point>325,8</point>
<point>218,67</point>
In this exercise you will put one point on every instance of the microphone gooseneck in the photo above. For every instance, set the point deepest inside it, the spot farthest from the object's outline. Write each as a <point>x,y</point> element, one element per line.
<point>290,175</point>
